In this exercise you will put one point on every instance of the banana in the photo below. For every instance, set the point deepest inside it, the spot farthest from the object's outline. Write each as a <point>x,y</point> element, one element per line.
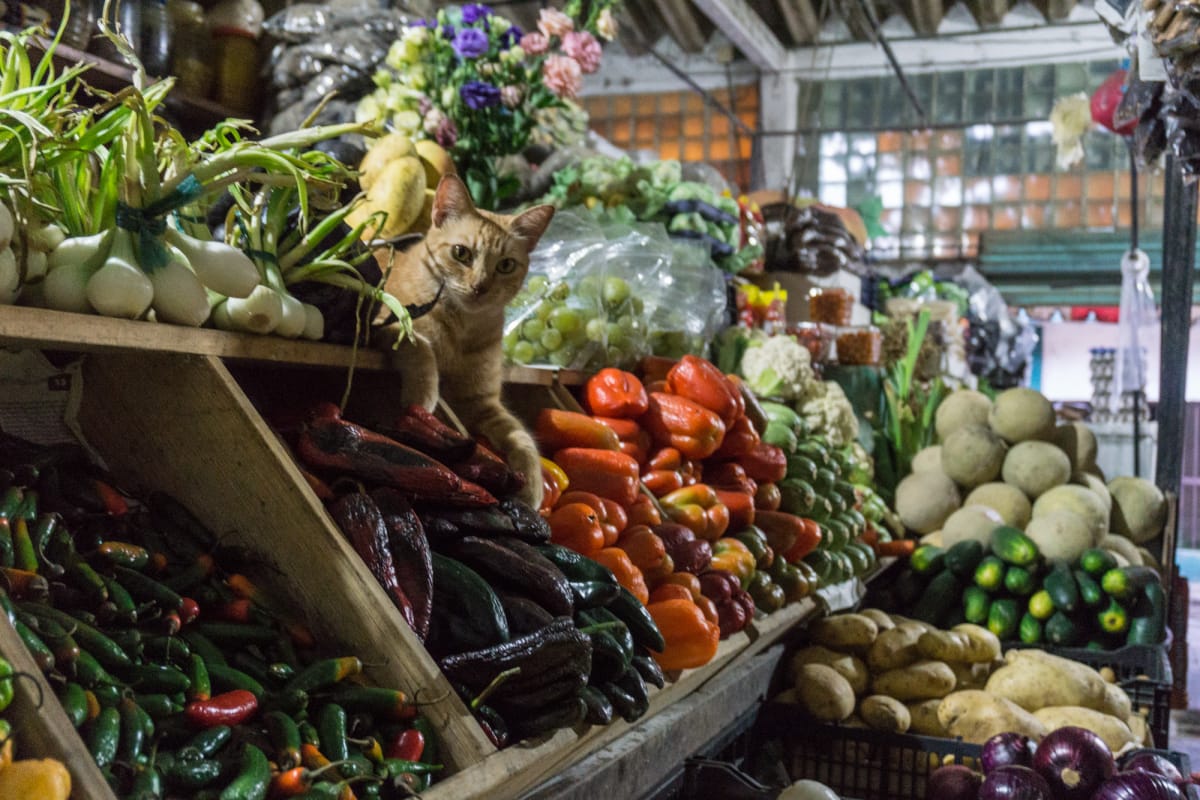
<point>382,152</point>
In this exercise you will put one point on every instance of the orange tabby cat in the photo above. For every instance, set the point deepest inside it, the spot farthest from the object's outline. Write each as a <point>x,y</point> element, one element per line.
<point>477,261</point>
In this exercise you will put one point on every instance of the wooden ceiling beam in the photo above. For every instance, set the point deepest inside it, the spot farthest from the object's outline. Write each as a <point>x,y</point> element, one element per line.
<point>801,18</point>
<point>681,21</point>
<point>746,29</point>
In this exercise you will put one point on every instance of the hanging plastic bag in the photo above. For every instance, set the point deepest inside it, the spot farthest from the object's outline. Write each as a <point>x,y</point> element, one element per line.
<point>1138,324</point>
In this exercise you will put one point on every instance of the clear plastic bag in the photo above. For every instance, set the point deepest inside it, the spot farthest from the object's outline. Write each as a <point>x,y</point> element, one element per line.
<point>606,291</point>
<point>1138,323</point>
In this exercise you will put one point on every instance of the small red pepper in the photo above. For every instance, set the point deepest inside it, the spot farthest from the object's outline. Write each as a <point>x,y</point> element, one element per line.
<point>700,381</point>
<point>729,476</point>
<point>407,745</point>
<point>612,392</point>
<point>683,424</point>
<point>230,708</point>
<point>667,470</point>
<point>114,501</point>
<point>741,508</point>
<point>634,440</point>
<point>189,610</point>
<point>643,512</point>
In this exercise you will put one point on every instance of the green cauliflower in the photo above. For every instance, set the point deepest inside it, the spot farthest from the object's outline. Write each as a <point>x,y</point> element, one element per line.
<point>778,367</point>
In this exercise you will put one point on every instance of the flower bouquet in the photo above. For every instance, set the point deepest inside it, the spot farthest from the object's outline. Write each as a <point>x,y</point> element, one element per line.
<point>475,83</point>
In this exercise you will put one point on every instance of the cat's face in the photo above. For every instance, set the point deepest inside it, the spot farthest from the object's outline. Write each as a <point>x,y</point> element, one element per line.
<point>481,258</point>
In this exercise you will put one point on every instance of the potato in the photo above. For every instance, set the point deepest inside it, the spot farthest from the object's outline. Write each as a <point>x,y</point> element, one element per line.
<point>885,713</point>
<point>848,666</point>
<point>899,620</point>
<point>882,621</point>
<point>920,681</point>
<point>943,646</point>
<point>844,632</point>
<point>983,645</point>
<point>1114,732</point>
<point>924,716</point>
<point>977,716</point>
<point>969,676</point>
<point>1033,679</point>
<point>1116,702</point>
<point>1140,730</point>
<point>895,648</point>
<point>824,693</point>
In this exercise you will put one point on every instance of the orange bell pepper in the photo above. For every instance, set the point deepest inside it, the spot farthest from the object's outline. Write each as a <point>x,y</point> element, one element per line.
<point>644,548</point>
<point>765,463</point>
<point>667,470</point>
<point>554,483</point>
<point>633,438</point>
<point>576,526</point>
<point>669,591</point>
<point>626,573</point>
<point>612,392</point>
<point>644,512</point>
<point>768,497</point>
<point>700,381</point>
<point>741,508</point>
<point>740,439</point>
<point>683,424</point>
<point>612,516</point>
<point>557,429</point>
<point>607,473</point>
<point>687,580</point>
<point>699,509</point>
<point>709,608</point>
<point>733,557</point>
<point>691,639</point>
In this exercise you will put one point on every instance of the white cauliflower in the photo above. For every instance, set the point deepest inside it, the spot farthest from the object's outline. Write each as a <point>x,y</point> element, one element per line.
<point>778,367</point>
<point>827,411</point>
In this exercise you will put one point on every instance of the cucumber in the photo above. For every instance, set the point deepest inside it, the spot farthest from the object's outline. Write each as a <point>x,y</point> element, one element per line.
<point>838,503</point>
<point>989,575</point>
<point>781,436</point>
<point>976,604</point>
<point>796,496</point>
<point>1149,622</point>
<point>1113,619</point>
<point>1090,593</point>
<point>854,520</point>
<point>927,559</point>
<point>824,482</point>
<point>821,511</point>
<point>1060,583</point>
<point>814,450</point>
<point>964,557</point>
<point>779,414</point>
<point>1041,606</point>
<point>822,563</point>
<point>1003,618</point>
<point>1013,547</point>
<point>1096,562</point>
<point>939,600</point>
<point>1030,629</point>
<point>839,537</point>
<point>1019,581</point>
<point>1062,631</point>
<point>1126,583</point>
<point>801,467</point>
<point>857,553</point>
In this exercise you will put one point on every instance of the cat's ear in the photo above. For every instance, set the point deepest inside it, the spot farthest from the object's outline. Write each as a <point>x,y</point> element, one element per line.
<point>451,200</point>
<point>530,225</point>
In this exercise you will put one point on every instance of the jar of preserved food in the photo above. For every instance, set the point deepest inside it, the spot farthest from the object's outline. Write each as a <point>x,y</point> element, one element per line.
<point>191,52</point>
<point>830,306</point>
<point>816,338</point>
<point>860,346</point>
<point>237,69</point>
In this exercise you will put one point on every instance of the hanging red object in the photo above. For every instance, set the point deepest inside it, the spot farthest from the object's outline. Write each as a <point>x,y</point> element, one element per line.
<point>1105,100</point>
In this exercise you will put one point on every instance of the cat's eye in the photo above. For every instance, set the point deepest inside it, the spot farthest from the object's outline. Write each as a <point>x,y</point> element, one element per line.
<point>506,265</point>
<point>461,253</point>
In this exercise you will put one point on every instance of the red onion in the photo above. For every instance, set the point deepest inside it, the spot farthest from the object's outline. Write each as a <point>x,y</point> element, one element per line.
<point>1014,783</point>
<point>1074,761</point>
<point>1004,749</point>
<point>1138,786</point>
<point>1152,762</point>
<point>954,782</point>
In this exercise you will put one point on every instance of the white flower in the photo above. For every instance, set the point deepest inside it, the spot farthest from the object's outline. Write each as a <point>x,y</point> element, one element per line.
<point>395,55</point>
<point>1069,120</point>
<point>606,25</point>
<point>449,93</point>
<point>513,55</point>
<point>417,35</point>
<point>432,120</point>
<point>499,24</point>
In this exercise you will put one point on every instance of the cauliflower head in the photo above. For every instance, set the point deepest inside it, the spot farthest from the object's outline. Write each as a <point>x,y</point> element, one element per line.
<point>778,367</point>
<point>827,410</point>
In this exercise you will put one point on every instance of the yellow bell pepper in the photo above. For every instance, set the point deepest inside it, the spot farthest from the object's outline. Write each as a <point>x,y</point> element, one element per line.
<point>44,779</point>
<point>733,557</point>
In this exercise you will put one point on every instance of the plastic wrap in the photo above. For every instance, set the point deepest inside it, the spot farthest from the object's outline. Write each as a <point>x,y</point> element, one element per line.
<point>1138,323</point>
<point>598,286</point>
<point>999,344</point>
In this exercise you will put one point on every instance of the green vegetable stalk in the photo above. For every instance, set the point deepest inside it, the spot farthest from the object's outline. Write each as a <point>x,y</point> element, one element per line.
<point>908,422</point>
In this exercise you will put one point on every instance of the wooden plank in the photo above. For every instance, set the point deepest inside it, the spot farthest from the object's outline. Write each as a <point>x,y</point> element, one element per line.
<point>183,426</point>
<point>513,771</point>
<point>88,333</point>
<point>746,29</point>
<point>46,732</point>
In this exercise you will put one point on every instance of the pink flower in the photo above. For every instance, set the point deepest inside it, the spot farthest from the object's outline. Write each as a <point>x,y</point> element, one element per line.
<point>562,75</point>
<point>535,43</point>
<point>552,22</point>
<point>432,121</point>
<point>584,48</point>
<point>511,96</point>
<point>447,133</point>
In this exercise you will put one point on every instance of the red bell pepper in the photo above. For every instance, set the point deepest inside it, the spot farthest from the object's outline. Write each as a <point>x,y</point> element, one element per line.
<point>655,368</point>
<point>740,440</point>
<point>699,509</point>
<point>730,476</point>
<point>687,553</point>
<point>612,392</point>
<point>611,516</point>
<point>767,497</point>
<point>798,536</point>
<point>557,429</point>
<point>643,512</point>
<point>644,547</point>
<point>700,381</point>
<point>740,505</point>
<point>633,438</point>
<point>667,470</point>
<point>766,463</point>
<point>685,425</point>
<point>607,473</point>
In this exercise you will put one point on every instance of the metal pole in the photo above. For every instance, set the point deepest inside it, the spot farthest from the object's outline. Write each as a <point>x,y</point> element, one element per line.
<point>1133,245</point>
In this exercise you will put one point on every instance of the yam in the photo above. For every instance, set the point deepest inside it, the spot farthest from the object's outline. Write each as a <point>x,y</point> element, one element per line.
<point>1139,509</point>
<point>1021,415</point>
<point>1116,702</point>
<point>923,680</point>
<point>960,408</point>
<point>1036,467</point>
<point>977,716</point>
<point>850,667</point>
<point>970,522</point>
<point>1079,500</point>
<point>925,499</point>
<point>895,648</point>
<point>885,713</point>
<point>928,460</point>
<point>924,718</point>
<point>972,455</point>
<point>824,693</point>
<point>1034,679</point>
<point>1008,501</point>
<point>1060,535</point>
<point>882,621</point>
<point>1113,731</point>
<point>983,645</point>
<point>1078,442</point>
<point>844,632</point>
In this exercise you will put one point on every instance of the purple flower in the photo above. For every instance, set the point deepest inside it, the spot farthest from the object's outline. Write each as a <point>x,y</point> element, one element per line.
<point>472,12</point>
<point>478,94</point>
<point>470,43</point>
<point>447,31</point>
<point>510,37</point>
<point>423,23</point>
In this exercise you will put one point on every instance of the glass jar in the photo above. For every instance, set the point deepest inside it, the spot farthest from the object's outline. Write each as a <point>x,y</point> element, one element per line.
<point>860,347</point>
<point>155,49</point>
<point>816,338</point>
<point>191,48</point>
<point>830,306</point>
<point>237,69</point>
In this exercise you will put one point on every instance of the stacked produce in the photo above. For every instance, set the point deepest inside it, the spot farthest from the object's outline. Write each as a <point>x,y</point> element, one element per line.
<point>1071,763</point>
<point>47,778</point>
<point>897,674</point>
<point>399,177</point>
<point>171,661</point>
<point>533,636</point>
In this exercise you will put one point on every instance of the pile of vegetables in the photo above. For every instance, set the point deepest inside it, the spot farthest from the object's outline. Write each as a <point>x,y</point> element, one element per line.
<point>174,664</point>
<point>46,778</point>
<point>532,635</point>
<point>1071,763</point>
<point>898,674</point>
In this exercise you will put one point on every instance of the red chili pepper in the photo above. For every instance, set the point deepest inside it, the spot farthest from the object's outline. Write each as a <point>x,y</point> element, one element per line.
<point>407,745</point>
<point>237,610</point>
<point>114,501</point>
<point>189,610</point>
<point>230,708</point>
<point>613,392</point>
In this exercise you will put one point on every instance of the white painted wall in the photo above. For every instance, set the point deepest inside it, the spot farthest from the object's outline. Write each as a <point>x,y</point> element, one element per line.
<point>1065,357</point>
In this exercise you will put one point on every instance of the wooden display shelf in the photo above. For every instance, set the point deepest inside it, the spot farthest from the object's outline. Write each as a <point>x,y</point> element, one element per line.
<point>87,333</point>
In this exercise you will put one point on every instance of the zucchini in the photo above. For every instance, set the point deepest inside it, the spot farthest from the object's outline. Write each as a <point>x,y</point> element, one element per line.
<point>1149,622</point>
<point>781,436</point>
<point>976,604</point>
<point>825,481</point>
<point>823,564</point>
<point>1019,581</point>
<point>1114,618</point>
<point>1062,631</point>
<point>1013,547</point>
<point>1096,562</point>
<point>939,599</point>
<point>801,467</point>
<point>964,557</point>
<point>1041,606</point>
<point>1003,618</point>
<point>1090,593</point>
<point>927,560</point>
<point>989,575</point>
<point>1060,583</point>
<point>796,496</point>
<point>1126,583</point>
<point>1030,629</point>
<point>908,588</point>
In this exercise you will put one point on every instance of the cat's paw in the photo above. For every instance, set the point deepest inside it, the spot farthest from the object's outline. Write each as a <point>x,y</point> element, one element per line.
<point>531,493</point>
